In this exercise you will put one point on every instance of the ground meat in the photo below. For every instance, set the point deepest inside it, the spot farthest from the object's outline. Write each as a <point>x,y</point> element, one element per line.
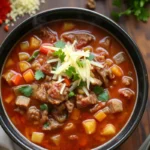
<point>48,34</point>
<point>91,4</point>
<point>115,105</point>
<point>83,101</point>
<point>83,39</point>
<point>54,96</point>
<point>73,137</point>
<point>97,107</point>
<point>41,94</point>
<point>34,114</point>
<point>52,125</point>
<point>35,65</point>
<point>44,116</point>
<point>127,80</point>
<point>46,68</point>
<point>69,106</point>
<point>126,92</point>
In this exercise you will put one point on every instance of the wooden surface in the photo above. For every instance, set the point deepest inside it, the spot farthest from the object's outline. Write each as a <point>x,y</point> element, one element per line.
<point>140,32</point>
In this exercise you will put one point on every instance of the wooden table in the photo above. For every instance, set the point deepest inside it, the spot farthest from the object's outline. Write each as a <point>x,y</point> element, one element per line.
<point>140,32</point>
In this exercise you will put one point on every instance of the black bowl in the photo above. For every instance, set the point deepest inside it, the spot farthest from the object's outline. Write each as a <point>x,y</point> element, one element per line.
<point>101,21</point>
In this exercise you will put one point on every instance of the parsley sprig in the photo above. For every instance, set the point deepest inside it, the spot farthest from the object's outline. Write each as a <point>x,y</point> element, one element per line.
<point>39,75</point>
<point>26,90</point>
<point>60,54</point>
<point>134,7</point>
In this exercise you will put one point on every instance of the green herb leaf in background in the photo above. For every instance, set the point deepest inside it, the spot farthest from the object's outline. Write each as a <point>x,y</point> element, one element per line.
<point>104,96</point>
<point>44,107</point>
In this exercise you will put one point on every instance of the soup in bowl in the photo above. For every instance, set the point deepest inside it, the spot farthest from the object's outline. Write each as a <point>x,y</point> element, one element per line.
<point>69,82</point>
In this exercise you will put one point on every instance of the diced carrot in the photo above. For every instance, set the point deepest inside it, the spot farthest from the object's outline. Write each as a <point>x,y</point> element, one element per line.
<point>9,99</point>
<point>117,71</point>
<point>67,81</point>
<point>28,76</point>
<point>100,115</point>
<point>16,79</point>
<point>44,48</point>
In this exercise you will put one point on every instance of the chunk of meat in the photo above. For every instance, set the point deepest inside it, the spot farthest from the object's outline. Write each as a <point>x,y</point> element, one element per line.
<point>106,74</point>
<point>60,113</point>
<point>83,39</point>
<point>34,114</point>
<point>35,65</point>
<point>52,125</point>
<point>54,96</point>
<point>44,116</point>
<point>46,68</point>
<point>23,102</point>
<point>115,105</point>
<point>105,42</point>
<point>95,81</point>
<point>106,110</point>
<point>69,106</point>
<point>97,107</point>
<point>127,80</point>
<point>102,54</point>
<point>126,92</point>
<point>48,34</point>
<point>41,94</point>
<point>119,58</point>
<point>83,101</point>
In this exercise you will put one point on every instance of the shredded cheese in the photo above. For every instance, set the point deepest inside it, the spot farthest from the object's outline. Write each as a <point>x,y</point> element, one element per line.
<point>85,91</point>
<point>62,88</point>
<point>53,60</point>
<point>97,64</point>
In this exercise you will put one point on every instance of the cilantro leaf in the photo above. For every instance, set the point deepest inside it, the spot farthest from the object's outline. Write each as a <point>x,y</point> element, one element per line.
<point>71,73</point>
<point>60,44</point>
<point>82,83</point>
<point>46,125</point>
<point>44,107</point>
<point>26,90</point>
<point>60,54</point>
<point>91,57</point>
<point>80,63</point>
<point>103,96</point>
<point>39,75</point>
<point>34,55</point>
<point>71,94</point>
<point>98,90</point>
<point>117,3</point>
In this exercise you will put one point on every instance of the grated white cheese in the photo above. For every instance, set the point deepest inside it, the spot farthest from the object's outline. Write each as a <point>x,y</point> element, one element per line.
<point>62,88</point>
<point>53,60</point>
<point>85,91</point>
<point>97,64</point>
<point>22,7</point>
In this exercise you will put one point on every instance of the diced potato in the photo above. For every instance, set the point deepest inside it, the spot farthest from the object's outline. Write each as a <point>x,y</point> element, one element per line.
<point>89,126</point>
<point>23,56</point>
<point>68,26</point>
<point>69,126</point>
<point>9,63</point>
<point>56,139</point>
<point>109,129</point>
<point>24,45</point>
<point>24,65</point>
<point>117,71</point>
<point>37,137</point>
<point>8,75</point>
<point>100,115</point>
<point>75,114</point>
<point>28,76</point>
<point>35,42</point>
<point>9,98</point>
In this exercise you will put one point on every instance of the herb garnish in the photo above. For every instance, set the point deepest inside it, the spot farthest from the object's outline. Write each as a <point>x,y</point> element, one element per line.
<point>71,94</point>
<point>60,54</point>
<point>39,75</point>
<point>26,90</point>
<point>44,107</point>
<point>34,55</point>
<point>60,44</point>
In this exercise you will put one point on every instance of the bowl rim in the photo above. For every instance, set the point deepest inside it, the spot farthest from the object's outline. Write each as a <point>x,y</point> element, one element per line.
<point>20,142</point>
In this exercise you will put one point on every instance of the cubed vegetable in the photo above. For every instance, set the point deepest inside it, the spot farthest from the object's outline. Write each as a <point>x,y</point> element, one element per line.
<point>69,126</point>
<point>68,26</point>
<point>37,137</point>
<point>56,139</point>
<point>100,115</point>
<point>9,98</point>
<point>75,114</point>
<point>9,63</point>
<point>28,76</point>
<point>67,81</point>
<point>24,65</point>
<point>109,129</point>
<point>89,125</point>
<point>24,45</point>
<point>35,42</point>
<point>8,75</point>
<point>117,71</point>
<point>23,101</point>
<point>45,48</point>
<point>23,56</point>
<point>16,79</point>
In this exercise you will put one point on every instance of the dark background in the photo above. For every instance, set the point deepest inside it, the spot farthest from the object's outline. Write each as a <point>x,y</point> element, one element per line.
<point>140,33</point>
